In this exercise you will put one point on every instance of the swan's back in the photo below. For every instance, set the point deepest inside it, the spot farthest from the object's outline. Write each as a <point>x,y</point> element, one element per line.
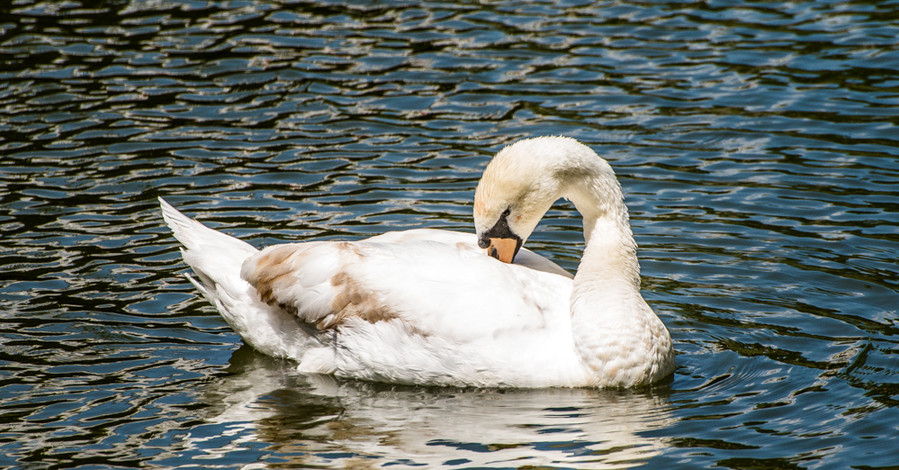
<point>458,294</point>
<point>406,308</point>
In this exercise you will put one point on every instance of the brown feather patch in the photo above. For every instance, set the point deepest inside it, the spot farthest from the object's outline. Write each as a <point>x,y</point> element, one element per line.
<point>273,272</point>
<point>354,300</point>
<point>271,267</point>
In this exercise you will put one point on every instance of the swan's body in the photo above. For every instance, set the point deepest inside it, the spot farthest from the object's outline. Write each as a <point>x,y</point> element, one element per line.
<point>428,307</point>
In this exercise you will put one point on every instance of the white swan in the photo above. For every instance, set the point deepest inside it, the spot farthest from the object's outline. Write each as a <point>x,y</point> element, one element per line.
<point>428,307</point>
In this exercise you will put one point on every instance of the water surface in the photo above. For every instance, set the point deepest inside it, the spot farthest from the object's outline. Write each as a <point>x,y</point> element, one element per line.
<point>757,144</point>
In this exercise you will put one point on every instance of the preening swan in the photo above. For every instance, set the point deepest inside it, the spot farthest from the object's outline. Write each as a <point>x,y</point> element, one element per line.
<point>429,307</point>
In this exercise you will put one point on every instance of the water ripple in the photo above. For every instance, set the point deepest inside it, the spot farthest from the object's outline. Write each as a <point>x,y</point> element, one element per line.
<point>756,143</point>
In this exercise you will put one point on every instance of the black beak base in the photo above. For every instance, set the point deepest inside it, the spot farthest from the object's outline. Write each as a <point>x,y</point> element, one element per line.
<point>499,230</point>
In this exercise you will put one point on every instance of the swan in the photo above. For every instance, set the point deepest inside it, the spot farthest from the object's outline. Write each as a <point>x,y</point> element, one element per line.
<point>427,307</point>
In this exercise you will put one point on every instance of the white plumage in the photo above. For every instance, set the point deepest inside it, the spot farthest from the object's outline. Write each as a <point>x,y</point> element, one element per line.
<point>429,307</point>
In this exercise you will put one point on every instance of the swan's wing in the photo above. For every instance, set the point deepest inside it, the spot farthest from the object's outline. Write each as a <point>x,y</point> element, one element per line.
<point>428,285</point>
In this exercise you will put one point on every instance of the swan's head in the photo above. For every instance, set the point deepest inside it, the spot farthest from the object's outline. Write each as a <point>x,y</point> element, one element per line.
<point>517,188</point>
<point>524,179</point>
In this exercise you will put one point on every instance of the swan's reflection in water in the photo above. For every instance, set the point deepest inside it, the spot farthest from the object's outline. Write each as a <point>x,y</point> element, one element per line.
<point>297,420</point>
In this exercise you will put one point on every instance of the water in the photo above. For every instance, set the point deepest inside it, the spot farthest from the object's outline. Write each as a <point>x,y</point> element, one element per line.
<point>757,144</point>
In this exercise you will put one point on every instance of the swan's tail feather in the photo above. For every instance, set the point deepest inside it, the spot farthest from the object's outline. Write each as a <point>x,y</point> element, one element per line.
<point>214,257</point>
<point>198,284</point>
<point>216,261</point>
<point>194,235</point>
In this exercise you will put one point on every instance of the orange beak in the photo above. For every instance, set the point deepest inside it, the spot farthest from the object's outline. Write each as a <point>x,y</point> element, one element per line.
<point>503,249</point>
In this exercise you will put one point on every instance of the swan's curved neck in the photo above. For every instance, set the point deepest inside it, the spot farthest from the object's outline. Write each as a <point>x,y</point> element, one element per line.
<point>610,253</point>
<point>618,337</point>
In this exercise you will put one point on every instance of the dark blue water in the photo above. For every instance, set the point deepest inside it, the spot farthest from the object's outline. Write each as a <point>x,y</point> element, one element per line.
<point>757,143</point>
